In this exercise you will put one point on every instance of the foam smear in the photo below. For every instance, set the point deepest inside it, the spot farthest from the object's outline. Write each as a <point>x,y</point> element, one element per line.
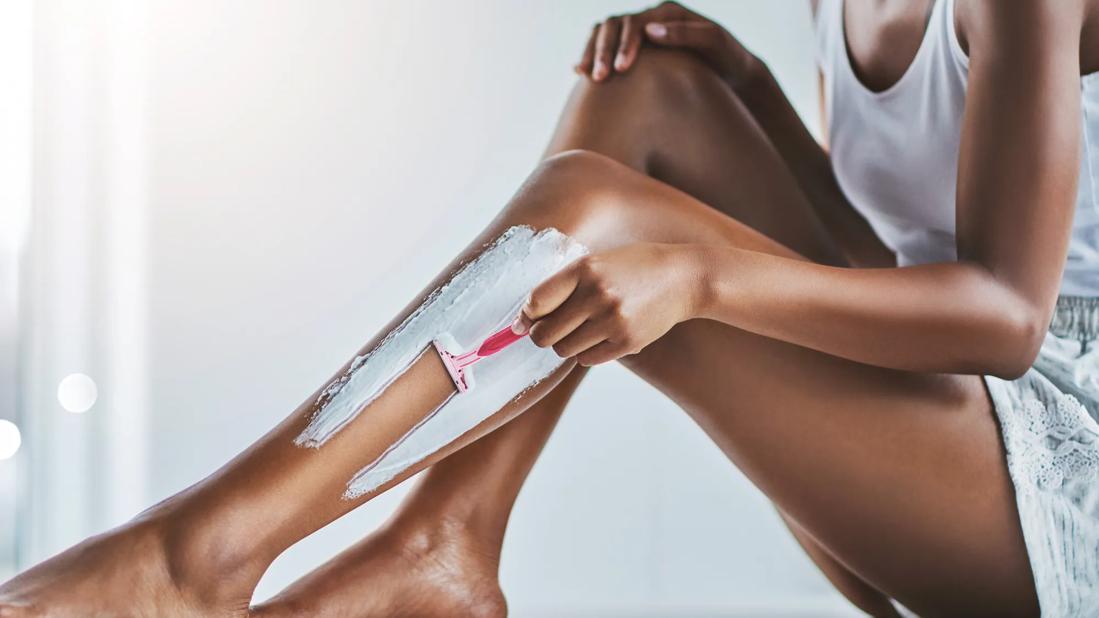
<point>479,299</point>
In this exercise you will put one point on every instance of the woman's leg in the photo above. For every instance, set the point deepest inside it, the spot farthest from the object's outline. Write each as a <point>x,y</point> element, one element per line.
<point>439,554</point>
<point>673,119</point>
<point>669,118</point>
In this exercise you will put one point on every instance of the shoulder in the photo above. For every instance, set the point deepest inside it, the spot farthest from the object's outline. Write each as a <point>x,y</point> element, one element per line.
<point>1008,28</point>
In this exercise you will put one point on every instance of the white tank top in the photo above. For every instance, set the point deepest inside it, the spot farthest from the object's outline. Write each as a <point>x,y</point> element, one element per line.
<point>895,152</point>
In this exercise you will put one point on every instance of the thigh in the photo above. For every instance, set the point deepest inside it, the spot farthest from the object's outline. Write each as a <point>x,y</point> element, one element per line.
<point>899,475</point>
<point>860,593</point>
<point>672,118</point>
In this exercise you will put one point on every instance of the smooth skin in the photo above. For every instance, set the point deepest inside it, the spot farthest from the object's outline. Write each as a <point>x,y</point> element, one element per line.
<point>801,404</point>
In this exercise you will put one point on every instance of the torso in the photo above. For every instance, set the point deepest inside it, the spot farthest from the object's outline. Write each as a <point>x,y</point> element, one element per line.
<point>883,36</point>
<point>895,79</point>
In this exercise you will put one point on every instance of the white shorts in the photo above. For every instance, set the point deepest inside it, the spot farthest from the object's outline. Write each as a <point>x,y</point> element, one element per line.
<point>1048,419</point>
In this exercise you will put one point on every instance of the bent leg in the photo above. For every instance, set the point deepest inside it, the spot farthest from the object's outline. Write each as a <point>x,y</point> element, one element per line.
<point>670,118</point>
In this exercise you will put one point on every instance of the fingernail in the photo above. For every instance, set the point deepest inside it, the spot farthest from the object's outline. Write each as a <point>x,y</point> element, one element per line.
<point>600,71</point>
<point>657,30</point>
<point>518,326</point>
<point>620,63</point>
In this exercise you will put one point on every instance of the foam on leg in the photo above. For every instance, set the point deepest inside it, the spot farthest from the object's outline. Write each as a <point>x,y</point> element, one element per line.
<point>480,298</point>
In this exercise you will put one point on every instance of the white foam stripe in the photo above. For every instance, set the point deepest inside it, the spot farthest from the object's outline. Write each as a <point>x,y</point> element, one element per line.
<point>479,299</point>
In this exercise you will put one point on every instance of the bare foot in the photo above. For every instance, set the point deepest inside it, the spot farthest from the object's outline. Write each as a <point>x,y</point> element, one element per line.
<point>128,571</point>
<point>434,573</point>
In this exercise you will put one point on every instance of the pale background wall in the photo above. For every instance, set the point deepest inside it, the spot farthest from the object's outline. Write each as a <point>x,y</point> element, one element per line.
<point>230,197</point>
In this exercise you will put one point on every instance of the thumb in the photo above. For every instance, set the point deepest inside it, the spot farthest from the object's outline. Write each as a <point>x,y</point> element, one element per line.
<point>696,35</point>
<point>548,296</point>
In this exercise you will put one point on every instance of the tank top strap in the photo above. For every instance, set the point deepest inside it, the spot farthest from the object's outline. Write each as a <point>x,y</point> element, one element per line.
<point>828,32</point>
<point>957,54</point>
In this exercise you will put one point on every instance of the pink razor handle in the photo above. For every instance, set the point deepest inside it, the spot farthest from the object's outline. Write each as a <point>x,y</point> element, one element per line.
<point>457,364</point>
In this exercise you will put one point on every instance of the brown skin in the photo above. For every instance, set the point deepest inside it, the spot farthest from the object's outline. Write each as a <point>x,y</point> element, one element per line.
<point>937,494</point>
<point>440,553</point>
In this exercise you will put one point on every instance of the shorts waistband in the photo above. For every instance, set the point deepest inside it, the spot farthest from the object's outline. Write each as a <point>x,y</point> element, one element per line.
<point>1076,317</point>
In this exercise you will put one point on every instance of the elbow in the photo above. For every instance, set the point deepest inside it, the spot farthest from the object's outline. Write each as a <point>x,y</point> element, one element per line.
<point>1020,338</point>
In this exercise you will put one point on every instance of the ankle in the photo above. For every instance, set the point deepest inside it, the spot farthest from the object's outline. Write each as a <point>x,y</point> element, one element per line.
<point>204,563</point>
<point>420,537</point>
<point>482,517</point>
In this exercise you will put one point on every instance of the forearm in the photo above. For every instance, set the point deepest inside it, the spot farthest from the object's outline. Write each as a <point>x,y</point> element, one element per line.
<point>810,166</point>
<point>950,318</point>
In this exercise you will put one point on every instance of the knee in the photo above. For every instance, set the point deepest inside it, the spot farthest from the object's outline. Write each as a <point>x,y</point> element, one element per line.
<point>670,76</point>
<point>584,175</point>
<point>580,168</point>
<point>578,186</point>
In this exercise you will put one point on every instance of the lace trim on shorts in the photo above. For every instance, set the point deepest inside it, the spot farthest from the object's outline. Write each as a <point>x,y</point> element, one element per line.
<point>1054,444</point>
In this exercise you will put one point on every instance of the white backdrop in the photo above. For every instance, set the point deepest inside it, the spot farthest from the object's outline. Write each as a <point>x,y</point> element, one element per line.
<point>230,197</point>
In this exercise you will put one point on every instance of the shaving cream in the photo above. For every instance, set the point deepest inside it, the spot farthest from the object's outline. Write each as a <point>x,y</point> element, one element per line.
<point>480,298</point>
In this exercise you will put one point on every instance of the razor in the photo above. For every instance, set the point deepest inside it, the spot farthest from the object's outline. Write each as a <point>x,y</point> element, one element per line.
<point>460,366</point>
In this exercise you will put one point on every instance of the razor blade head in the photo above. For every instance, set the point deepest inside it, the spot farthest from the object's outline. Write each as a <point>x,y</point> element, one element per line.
<point>461,376</point>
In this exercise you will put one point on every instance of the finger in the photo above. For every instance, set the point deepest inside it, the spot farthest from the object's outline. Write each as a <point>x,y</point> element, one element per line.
<point>584,66</point>
<point>521,324</point>
<point>551,293</point>
<point>673,11</point>
<point>629,42</point>
<point>602,353</point>
<point>697,35</point>
<point>562,321</point>
<point>588,335</point>
<point>606,41</point>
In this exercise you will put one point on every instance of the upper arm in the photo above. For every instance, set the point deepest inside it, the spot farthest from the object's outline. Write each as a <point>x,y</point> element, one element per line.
<point>1020,144</point>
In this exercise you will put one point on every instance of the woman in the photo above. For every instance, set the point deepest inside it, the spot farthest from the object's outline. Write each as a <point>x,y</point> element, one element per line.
<point>886,337</point>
